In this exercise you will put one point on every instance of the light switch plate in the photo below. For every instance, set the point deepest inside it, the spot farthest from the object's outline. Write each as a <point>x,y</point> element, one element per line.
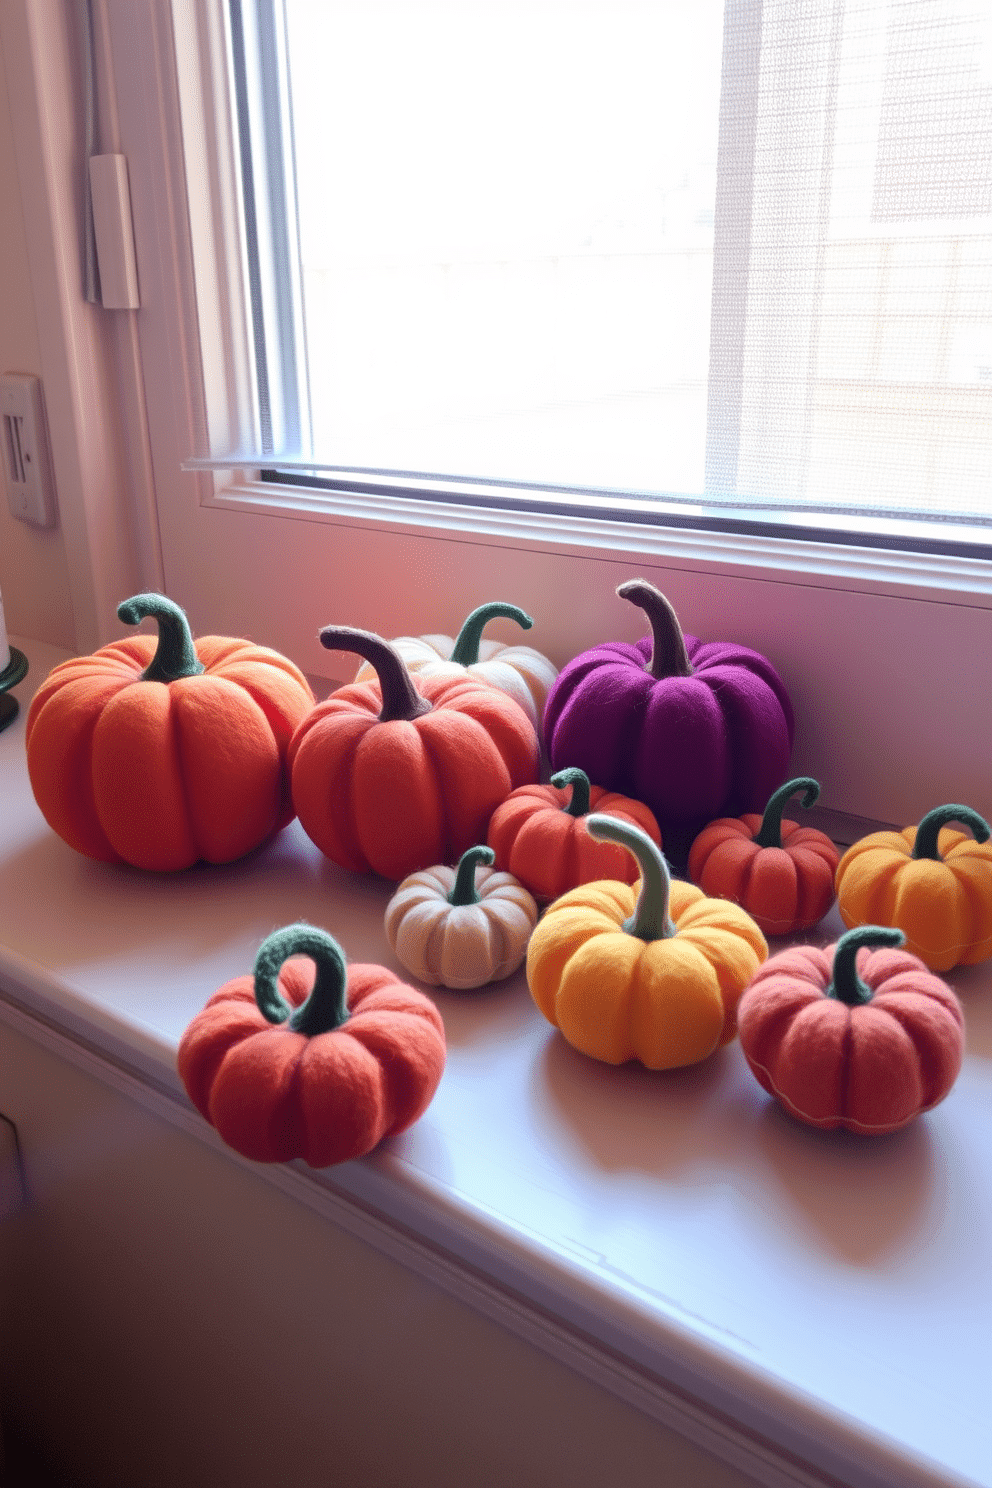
<point>26,459</point>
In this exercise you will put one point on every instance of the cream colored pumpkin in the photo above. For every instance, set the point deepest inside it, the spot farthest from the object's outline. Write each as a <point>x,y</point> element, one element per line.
<point>461,927</point>
<point>520,671</point>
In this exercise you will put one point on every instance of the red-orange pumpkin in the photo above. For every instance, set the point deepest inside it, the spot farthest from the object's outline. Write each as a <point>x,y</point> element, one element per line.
<point>312,1059</point>
<point>158,752</point>
<point>853,1036</point>
<point>539,835</point>
<point>398,775</point>
<point>780,872</point>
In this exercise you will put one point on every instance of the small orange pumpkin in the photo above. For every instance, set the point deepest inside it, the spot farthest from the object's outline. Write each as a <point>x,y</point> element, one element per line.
<point>312,1059</point>
<point>932,882</point>
<point>396,775</point>
<point>159,752</point>
<point>864,1052</point>
<point>780,872</point>
<point>538,834</point>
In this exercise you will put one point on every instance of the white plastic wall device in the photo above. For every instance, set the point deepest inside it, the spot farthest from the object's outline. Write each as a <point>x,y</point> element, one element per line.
<point>26,457</point>
<point>114,232</point>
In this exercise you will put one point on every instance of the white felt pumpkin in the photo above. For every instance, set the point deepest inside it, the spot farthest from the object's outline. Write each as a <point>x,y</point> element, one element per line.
<point>461,927</point>
<point>520,671</point>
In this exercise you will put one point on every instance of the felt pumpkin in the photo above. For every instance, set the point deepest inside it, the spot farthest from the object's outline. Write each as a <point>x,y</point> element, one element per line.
<point>651,972</point>
<point>395,775</point>
<point>312,1059</point>
<point>859,1035</point>
<point>159,752</point>
<point>694,729</point>
<point>539,834</point>
<point>930,881</point>
<point>461,927</point>
<point>520,671</point>
<point>780,872</point>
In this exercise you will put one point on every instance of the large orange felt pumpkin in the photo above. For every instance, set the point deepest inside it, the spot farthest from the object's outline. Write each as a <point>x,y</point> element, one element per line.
<point>932,882</point>
<point>312,1059</point>
<point>780,872</point>
<point>859,1035</point>
<point>158,752</point>
<point>397,775</point>
<point>538,834</point>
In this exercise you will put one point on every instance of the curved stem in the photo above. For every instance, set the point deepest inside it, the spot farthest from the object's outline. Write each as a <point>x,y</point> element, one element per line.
<point>927,833</point>
<point>769,833</point>
<point>400,698</point>
<point>175,656</point>
<point>327,1006</point>
<point>650,920</point>
<point>579,781</point>
<point>669,657</point>
<point>463,890</point>
<point>466,652</point>
<point>846,985</point>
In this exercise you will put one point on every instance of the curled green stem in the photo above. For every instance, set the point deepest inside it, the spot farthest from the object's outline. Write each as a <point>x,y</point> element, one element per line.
<point>463,890</point>
<point>400,698</point>
<point>327,1006</point>
<point>846,986</point>
<point>928,832</point>
<point>770,832</point>
<point>669,657</point>
<point>579,781</point>
<point>175,655</point>
<point>466,652</point>
<point>650,920</point>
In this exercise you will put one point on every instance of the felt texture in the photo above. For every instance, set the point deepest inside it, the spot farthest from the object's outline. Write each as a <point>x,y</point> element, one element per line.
<point>536,837</point>
<point>714,743</point>
<point>460,944</point>
<point>275,1094</point>
<point>399,795</point>
<point>615,995</point>
<point>163,774</point>
<point>868,1068</point>
<point>780,872</point>
<point>942,904</point>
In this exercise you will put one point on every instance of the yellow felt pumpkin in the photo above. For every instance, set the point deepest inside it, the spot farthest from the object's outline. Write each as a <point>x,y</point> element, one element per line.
<point>653,972</point>
<point>461,927</point>
<point>931,882</point>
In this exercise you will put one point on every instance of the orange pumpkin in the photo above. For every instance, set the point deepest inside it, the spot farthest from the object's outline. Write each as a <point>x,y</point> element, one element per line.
<point>397,775</point>
<point>312,1059</point>
<point>538,834</point>
<point>932,882</point>
<point>158,752</point>
<point>780,872</point>
<point>866,1052</point>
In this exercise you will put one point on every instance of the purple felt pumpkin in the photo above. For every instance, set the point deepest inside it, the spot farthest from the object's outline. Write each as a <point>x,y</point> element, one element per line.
<point>695,729</point>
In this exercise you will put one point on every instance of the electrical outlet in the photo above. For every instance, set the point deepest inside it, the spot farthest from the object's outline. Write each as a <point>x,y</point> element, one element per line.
<point>27,464</point>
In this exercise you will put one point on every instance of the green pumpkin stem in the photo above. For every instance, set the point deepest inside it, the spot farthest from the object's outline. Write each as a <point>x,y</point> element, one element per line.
<point>669,658</point>
<point>846,985</point>
<point>770,832</point>
<point>466,652</point>
<point>650,920</point>
<point>927,833</point>
<point>463,890</point>
<point>327,1006</point>
<point>400,698</point>
<point>579,781</point>
<point>175,655</point>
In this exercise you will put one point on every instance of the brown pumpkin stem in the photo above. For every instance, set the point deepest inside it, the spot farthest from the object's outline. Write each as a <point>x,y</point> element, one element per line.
<point>466,651</point>
<point>928,832</point>
<point>175,655</point>
<point>463,889</point>
<point>650,920</point>
<point>327,1006</point>
<point>846,986</point>
<point>400,698</point>
<point>669,658</point>
<point>579,781</point>
<point>769,833</point>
